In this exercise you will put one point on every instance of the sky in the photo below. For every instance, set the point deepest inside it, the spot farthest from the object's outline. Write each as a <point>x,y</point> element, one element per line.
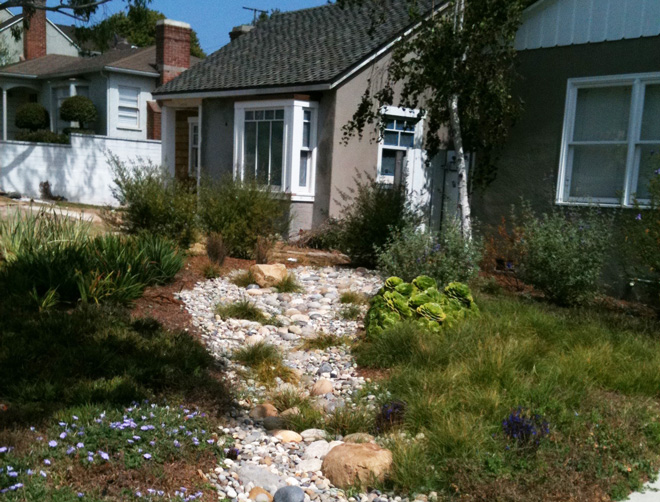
<point>212,19</point>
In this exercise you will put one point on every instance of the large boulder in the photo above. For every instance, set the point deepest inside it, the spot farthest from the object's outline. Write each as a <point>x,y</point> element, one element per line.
<point>321,387</point>
<point>352,464</point>
<point>262,411</point>
<point>268,276</point>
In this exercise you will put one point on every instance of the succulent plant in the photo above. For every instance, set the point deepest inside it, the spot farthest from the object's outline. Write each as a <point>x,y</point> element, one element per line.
<point>461,292</point>
<point>424,282</point>
<point>406,289</point>
<point>432,312</point>
<point>393,282</point>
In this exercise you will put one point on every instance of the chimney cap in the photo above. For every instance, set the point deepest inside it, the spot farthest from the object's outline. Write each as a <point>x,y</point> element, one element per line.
<point>171,22</point>
<point>242,29</point>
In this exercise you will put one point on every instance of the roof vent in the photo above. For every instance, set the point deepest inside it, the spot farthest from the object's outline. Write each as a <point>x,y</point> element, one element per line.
<point>238,31</point>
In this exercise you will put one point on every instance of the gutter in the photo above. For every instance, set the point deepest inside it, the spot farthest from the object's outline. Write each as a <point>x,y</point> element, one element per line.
<point>130,72</point>
<point>18,75</point>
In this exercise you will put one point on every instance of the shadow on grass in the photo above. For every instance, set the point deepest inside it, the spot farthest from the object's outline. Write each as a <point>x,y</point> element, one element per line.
<point>97,355</point>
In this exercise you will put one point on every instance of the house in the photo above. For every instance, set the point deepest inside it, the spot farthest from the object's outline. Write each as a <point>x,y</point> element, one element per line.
<point>272,103</point>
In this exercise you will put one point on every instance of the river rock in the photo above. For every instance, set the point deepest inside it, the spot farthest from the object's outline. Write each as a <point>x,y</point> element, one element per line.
<point>288,436</point>
<point>317,449</point>
<point>313,434</point>
<point>321,387</point>
<point>273,423</point>
<point>289,494</point>
<point>261,477</point>
<point>262,411</point>
<point>258,494</point>
<point>359,437</point>
<point>356,464</point>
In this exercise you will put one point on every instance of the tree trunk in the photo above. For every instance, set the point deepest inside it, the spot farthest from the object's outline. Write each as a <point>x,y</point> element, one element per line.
<point>463,199</point>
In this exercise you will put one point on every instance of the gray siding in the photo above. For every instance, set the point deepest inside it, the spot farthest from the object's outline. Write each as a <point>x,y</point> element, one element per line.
<point>218,137</point>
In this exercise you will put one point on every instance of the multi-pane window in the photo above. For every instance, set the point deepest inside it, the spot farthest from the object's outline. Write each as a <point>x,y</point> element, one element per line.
<point>193,149</point>
<point>611,140</point>
<point>398,137</point>
<point>305,149</point>
<point>264,146</point>
<point>129,107</point>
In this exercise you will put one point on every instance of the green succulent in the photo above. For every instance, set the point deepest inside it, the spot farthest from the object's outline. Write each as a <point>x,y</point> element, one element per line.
<point>424,282</point>
<point>461,292</point>
<point>434,294</point>
<point>432,312</point>
<point>392,283</point>
<point>420,299</point>
<point>406,289</point>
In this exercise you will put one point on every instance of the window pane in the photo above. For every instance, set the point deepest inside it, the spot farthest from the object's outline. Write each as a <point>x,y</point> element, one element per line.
<point>305,158</point>
<point>306,134</point>
<point>270,114</point>
<point>249,115</point>
<point>400,125</point>
<point>651,119</point>
<point>407,139</point>
<point>277,154</point>
<point>390,124</point>
<point>391,138</point>
<point>388,163</point>
<point>279,114</point>
<point>308,115</point>
<point>263,151</point>
<point>649,163</point>
<point>602,114</point>
<point>259,115</point>
<point>250,150</point>
<point>598,171</point>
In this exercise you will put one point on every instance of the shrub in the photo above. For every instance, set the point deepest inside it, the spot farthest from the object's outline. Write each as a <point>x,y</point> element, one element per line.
<point>78,109</point>
<point>211,271</point>
<point>154,202</point>
<point>242,212</point>
<point>215,248</point>
<point>262,249</point>
<point>266,362</point>
<point>419,301</point>
<point>371,214</point>
<point>353,297</point>
<point>447,257</point>
<point>563,253</point>
<point>32,116</point>
<point>327,236</point>
<point>43,136</point>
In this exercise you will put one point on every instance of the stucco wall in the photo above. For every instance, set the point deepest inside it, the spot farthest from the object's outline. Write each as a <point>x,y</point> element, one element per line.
<point>218,137</point>
<point>79,171</point>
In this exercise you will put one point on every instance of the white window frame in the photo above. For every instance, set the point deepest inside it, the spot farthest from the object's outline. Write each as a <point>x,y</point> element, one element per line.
<point>638,83</point>
<point>193,148</point>
<point>294,110</point>
<point>137,126</point>
<point>414,154</point>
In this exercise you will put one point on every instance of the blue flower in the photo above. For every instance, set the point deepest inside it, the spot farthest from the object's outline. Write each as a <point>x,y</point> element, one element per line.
<point>147,456</point>
<point>104,455</point>
<point>47,462</point>
<point>4,449</point>
<point>52,443</point>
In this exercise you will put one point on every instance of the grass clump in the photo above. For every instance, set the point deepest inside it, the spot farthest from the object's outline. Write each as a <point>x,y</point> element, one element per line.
<point>289,285</point>
<point>350,313</point>
<point>243,309</point>
<point>288,399</point>
<point>349,420</point>
<point>266,363</point>
<point>324,341</point>
<point>211,271</point>
<point>353,297</point>
<point>589,377</point>
<point>243,279</point>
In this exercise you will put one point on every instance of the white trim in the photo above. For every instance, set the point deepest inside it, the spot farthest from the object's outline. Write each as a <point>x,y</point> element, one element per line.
<point>172,22</point>
<point>192,122</point>
<point>637,82</point>
<point>128,72</point>
<point>413,154</point>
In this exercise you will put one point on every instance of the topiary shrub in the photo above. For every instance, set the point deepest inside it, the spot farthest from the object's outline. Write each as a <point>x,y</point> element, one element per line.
<point>43,136</point>
<point>32,116</point>
<point>78,109</point>
<point>418,301</point>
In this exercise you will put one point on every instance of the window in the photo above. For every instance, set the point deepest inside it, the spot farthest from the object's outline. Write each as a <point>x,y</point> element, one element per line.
<point>276,145</point>
<point>399,138</point>
<point>611,140</point>
<point>129,107</point>
<point>193,146</point>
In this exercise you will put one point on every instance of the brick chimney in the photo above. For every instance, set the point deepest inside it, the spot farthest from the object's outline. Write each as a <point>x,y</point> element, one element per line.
<point>238,31</point>
<point>172,49</point>
<point>34,33</point>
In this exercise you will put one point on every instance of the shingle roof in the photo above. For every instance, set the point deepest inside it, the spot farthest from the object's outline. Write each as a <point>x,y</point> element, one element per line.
<point>304,47</point>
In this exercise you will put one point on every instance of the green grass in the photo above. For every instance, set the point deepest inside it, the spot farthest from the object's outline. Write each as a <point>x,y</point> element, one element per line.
<point>211,271</point>
<point>350,312</point>
<point>593,375</point>
<point>288,399</point>
<point>243,309</point>
<point>324,341</point>
<point>243,279</point>
<point>289,285</point>
<point>353,297</point>
<point>266,363</point>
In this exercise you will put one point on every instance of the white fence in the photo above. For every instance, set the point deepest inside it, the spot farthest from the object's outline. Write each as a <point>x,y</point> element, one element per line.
<point>79,171</point>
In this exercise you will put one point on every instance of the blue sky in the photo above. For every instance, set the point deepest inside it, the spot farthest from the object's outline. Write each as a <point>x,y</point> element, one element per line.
<point>212,19</point>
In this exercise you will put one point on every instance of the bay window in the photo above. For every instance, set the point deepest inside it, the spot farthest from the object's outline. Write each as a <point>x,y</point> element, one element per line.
<point>611,140</point>
<point>276,145</point>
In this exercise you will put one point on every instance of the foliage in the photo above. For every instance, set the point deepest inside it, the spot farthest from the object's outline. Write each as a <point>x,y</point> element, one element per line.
<point>243,279</point>
<point>262,250</point>
<point>243,309</point>
<point>137,25</point>
<point>328,236</point>
<point>64,264</point>
<point>289,285</point>
<point>475,64</point>
<point>242,212</point>
<point>42,136</point>
<point>590,373</point>
<point>563,252</point>
<point>154,202</point>
<point>323,341</point>
<point>447,257</point>
<point>78,109</point>
<point>266,363</point>
<point>419,301</point>
<point>211,271</point>
<point>32,116</point>
<point>643,241</point>
<point>353,297</point>
<point>524,428</point>
<point>80,10</point>
<point>371,213</point>
<point>215,248</point>
<point>350,313</point>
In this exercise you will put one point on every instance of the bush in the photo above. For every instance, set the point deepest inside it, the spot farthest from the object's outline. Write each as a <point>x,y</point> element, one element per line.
<point>327,236</point>
<point>43,136</point>
<point>242,212</point>
<point>154,202</point>
<point>447,257</point>
<point>78,109</point>
<point>215,248</point>
<point>563,253</point>
<point>32,116</point>
<point>372,213</point>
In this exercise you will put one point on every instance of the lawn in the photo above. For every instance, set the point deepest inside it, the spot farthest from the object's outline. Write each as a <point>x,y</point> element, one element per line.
<point>525,402</point>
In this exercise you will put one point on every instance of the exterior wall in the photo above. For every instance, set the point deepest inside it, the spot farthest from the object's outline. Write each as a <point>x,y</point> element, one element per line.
<point>79,171</point>
<point>217,131</point>
<point>57,43</point>
<point>14,46</point>
<point>98,93</point>
<point>146,85</point>
<point>182,136</point>
<point>301,217</point>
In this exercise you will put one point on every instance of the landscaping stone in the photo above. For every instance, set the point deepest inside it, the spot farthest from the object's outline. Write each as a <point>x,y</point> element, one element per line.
<point>289,494</point>
<point>273,423</point>
<point>321,387</point>
<point>356,464</point>
<point>313,434</point>
<point>258,494</point>
<point>261,477</point>
<point>317,449</point>
<point>268,276</point>
<point>263,410</point>
<point>359,437</point>
<point>288,436</point>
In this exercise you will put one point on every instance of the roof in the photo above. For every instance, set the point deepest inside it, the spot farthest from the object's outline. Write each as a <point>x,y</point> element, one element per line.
<point>304,47</point>
<point>70,31</point>
<point>55,65</point>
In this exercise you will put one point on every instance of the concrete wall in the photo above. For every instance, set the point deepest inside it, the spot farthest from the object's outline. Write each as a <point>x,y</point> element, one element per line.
<point>79,171</point>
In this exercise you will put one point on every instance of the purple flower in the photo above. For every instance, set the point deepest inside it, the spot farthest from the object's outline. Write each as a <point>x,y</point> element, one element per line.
<point>147,456</point>
<point>3,449</point>
<point>104,455</point>
<point>80,495</point>
<point>12,474</point>
<point>75,417</point>
<point>638,217</point>
<point>43,474</point>
<point>70,450</point>
<point>80,445</point>
<point>52,444</point>
<point>47,462</point>
<point>63,435</point>
<point>176,444</point>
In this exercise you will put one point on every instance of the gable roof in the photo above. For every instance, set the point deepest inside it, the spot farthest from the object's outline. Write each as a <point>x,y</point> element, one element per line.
<point>299,48</point>
<point>61,28</point>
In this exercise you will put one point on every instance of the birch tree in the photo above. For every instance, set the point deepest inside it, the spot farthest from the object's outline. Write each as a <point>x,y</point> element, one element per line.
<point>457,69</point>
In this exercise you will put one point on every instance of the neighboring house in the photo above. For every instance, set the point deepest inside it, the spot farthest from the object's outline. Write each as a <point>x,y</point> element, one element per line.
<point>119,82</point>
<point>272,104</point>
